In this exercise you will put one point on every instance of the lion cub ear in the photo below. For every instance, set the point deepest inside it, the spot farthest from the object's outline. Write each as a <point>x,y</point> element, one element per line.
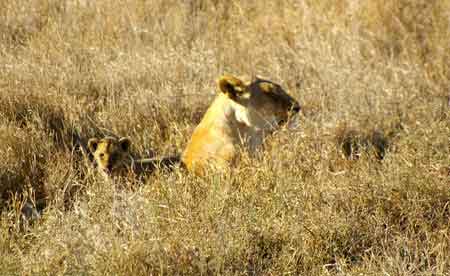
<point>92,144</point>
<point>125,143</point>
<point>231,86</point>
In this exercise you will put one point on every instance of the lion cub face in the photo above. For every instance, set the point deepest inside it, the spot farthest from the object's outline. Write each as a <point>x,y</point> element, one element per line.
<point>109,153</point>
<point>261,103</point>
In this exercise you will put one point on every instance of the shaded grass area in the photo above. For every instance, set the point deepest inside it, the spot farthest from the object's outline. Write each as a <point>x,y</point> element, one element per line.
<point>361,186</point>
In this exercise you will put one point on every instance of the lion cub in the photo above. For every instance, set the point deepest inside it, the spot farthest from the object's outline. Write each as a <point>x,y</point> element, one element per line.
<point>240,117</point>
<point>113,158</point>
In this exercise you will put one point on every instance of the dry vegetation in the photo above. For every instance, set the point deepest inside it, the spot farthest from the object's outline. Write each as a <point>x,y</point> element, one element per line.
<point>362,187</point>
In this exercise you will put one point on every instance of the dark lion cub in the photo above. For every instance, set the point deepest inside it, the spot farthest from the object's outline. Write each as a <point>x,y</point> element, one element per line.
<point>113,158</point>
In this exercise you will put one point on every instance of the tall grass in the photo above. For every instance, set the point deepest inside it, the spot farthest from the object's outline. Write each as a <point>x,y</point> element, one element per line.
<point>360,188</point>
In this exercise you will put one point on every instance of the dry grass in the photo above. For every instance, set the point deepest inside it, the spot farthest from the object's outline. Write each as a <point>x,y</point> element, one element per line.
<point>371,76</point>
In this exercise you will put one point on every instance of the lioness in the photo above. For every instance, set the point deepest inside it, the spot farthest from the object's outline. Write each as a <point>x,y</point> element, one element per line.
<point>241,115</point>
<point>113,158</point>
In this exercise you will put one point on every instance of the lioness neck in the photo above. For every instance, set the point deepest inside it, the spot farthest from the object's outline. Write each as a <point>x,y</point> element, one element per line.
<point>224,129</point>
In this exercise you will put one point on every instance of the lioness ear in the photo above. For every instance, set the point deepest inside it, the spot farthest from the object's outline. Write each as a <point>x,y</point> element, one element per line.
<point>125,143</point>
<point>266,87</point>
<point>256,78</point>
<point>92,144</point>
<point>231,86</point>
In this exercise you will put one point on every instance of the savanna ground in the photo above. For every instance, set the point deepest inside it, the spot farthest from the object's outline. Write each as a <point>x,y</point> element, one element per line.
<point>361,187</point>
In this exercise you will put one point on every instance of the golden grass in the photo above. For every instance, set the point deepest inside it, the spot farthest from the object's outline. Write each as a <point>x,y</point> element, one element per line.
<point>362,70</point>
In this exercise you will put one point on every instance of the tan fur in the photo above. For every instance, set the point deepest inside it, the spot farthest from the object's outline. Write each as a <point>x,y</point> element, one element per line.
<point>241,115</point>
<point>113,158</point>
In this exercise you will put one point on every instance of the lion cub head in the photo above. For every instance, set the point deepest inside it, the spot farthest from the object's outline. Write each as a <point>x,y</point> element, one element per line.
<point>241,115</point>
<point>110,154</point>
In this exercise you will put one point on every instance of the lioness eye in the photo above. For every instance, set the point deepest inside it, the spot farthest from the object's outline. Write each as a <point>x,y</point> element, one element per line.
<point>102,155</point>
<point>113,157</point>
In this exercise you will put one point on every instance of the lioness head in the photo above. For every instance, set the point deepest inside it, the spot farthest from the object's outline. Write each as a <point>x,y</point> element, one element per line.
<point>261,103</point>
<point>109,153</point>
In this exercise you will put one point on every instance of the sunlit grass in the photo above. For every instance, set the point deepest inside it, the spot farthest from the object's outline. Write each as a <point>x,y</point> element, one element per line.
<point>361,187</point>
